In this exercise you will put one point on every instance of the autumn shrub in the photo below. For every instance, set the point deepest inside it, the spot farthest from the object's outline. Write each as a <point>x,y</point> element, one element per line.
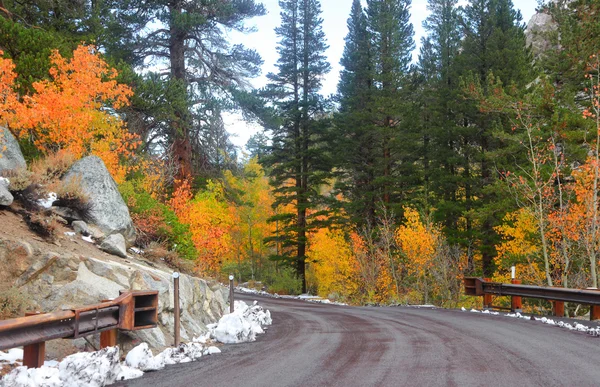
<point>156,221</point>
<point>72,110</point>
<point>70,194</point>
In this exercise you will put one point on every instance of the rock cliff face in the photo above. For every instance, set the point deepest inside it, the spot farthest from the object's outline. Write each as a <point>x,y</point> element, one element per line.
<point>77,273</point>
<point>538,32</point>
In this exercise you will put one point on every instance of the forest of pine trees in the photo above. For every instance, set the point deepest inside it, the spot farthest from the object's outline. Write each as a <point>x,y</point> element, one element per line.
<point>482,154</point>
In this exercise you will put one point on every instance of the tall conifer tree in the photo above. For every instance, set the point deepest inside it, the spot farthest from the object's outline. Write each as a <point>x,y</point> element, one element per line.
<point>392,43</point>
<point>298,163</point>
<point>356,137</point>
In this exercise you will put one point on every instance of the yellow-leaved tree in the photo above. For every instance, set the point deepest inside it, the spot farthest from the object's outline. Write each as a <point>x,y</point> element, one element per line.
<point>418,242</point>
<point>335,273</point>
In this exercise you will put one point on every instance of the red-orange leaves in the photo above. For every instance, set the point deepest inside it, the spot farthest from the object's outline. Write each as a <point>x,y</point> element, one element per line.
<point>75,110</point>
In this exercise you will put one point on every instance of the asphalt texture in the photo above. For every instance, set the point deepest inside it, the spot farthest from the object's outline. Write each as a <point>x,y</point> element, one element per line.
<point>325,345</point>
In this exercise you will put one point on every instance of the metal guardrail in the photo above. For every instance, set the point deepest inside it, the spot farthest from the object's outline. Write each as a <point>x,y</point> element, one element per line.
<point>479,287</point>
<point>132,310</point>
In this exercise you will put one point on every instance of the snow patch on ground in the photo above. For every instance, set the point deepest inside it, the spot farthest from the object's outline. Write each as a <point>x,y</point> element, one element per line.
<point>242,325</point>
<point>101,368</point>
<point>47,202</point>
<point>304,297</point>
<point>14,355</point>
<point>593,331</point>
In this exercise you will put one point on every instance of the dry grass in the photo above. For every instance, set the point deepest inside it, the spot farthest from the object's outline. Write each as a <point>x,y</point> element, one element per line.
<point>158,253</point>
<point>71,195</point>
<point>41,224</point>
<point>19,179</point>
<point>52,168</point>
<point>13,303</point>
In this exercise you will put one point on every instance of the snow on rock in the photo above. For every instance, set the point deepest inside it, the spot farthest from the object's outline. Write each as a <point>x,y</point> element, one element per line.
<point>141,357</point>
<point>91,369</point>
<point>127,373</point>
<point>242,325</point>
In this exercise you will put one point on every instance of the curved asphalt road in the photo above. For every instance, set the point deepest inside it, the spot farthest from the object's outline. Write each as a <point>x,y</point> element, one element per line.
<point>323,345</point>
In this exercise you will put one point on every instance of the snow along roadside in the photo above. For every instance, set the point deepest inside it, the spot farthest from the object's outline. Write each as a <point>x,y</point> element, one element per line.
<point>101,368</point>
<point>303,297</point>
<point>593,331</point>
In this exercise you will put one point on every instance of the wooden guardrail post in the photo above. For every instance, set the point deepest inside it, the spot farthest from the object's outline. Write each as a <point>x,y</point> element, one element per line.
<point>516,303</point>
<point>108,338</point>
<point>594,312</point>
<point>487,298</point>
<point>559,308</point>
<point>34,354</point>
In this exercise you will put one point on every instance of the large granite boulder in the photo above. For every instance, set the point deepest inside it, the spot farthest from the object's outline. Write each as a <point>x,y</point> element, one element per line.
<point>538,33</point>
<point>109,211</point>
<point>6,197</point>
<point>10,152</point>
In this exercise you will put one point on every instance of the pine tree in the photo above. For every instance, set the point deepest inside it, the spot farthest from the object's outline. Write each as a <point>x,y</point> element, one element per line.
<point>355,140</point>
<point>187,36</point>
<point>392,43</point>
<point>494,46</point>
<point>437,100</point>
<point>297,160</point>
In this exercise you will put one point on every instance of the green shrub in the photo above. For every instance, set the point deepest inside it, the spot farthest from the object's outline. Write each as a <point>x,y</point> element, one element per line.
<point>155,221</point>
<point>283,281</point>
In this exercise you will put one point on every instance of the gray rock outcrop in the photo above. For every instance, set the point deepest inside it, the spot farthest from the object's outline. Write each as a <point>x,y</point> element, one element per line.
<point>115,244</point>
<point>59,282</point>
<point>6,197</point>
<point>109,211</point>
<point>80,227</point>
<point>538,33</point>
<point>11,156</point>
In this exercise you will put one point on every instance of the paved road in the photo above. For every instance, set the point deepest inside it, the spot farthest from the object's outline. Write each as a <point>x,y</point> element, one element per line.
<point>320,345</point>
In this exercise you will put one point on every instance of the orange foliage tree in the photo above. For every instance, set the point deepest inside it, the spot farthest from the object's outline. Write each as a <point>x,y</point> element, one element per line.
<point>210,221</point>
<point>74,110</point>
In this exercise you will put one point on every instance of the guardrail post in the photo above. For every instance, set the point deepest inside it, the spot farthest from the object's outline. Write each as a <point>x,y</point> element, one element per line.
<point>516,303</point>
<point>594,312</point>
<point>34,354</point>
<point>231,301</point>
<point>108,338</point>
<point>487,298</point>
<point>176,311</point>
<point>559,308</point>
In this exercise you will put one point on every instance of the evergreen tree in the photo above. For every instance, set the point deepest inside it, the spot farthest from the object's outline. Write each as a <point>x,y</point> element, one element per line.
<point>493,49</point>
<point>355,143</point>
<point>297,160</point>
<point>392,44</point>
<point>187,36</point>
<point>444,165</point>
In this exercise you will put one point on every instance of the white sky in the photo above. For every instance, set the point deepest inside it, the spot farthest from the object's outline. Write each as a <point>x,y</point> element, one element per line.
<point>335,15</point>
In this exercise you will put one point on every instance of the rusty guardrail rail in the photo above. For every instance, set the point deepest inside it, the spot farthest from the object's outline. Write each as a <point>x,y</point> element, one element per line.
<point>480,287</point>
<point>132,310</point>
